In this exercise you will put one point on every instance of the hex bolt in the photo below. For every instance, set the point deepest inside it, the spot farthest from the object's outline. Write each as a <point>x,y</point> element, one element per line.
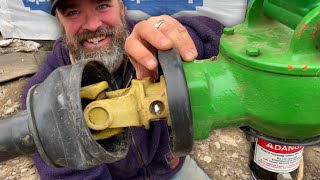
<point>253,51</point>
<point>228,31</point>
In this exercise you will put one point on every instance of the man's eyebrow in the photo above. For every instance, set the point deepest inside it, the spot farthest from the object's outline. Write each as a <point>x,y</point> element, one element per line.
<point>67,5</point>
<point>100,1</point>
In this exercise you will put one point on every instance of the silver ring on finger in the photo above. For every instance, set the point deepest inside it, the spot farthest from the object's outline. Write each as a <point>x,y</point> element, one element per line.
<point>158,24</point>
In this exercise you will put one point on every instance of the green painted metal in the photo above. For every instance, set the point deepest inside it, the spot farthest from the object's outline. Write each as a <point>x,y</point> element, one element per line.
<point>266,76</point>
<point>289,12</point>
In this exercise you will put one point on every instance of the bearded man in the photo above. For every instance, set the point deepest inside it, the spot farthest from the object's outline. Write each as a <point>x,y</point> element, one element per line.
<point>98,29</point>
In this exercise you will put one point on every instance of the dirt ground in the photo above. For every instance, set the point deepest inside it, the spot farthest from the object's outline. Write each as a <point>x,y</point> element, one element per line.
<point>224,155</point>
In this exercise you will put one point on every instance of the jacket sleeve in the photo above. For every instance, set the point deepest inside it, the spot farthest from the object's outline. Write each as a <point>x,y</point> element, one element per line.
<point>205,32</point>
<point>60,57</point>
<point>50,173</point>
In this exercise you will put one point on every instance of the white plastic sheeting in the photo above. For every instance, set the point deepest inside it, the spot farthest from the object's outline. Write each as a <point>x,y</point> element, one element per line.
<point>26,19</point>
<point>228,12</point>
<point>31,19</point>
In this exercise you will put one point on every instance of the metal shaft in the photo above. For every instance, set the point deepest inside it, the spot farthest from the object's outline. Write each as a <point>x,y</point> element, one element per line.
<point>15,137</point>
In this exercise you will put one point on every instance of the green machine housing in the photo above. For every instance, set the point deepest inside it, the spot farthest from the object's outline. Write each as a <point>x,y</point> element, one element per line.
<point>266,76</point>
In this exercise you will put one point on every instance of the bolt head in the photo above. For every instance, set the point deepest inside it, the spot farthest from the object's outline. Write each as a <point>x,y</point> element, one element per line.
<point>253,51</point>
<point>156,107</point>
<point>228,31</point>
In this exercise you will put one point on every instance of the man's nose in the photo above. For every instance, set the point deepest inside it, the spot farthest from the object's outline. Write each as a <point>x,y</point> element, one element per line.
<point>92,22</point>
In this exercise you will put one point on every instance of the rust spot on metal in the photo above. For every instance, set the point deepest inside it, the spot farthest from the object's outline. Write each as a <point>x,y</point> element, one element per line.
<point>304,68</point>
<point>303,28</point>
<point>290,67</point>
<point>314,31</point>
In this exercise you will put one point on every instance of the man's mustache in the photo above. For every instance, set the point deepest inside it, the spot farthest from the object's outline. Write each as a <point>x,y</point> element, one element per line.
<point>101,31</point>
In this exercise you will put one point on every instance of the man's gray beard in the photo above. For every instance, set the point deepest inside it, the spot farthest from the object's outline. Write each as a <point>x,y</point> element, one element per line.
<point>111,56</point>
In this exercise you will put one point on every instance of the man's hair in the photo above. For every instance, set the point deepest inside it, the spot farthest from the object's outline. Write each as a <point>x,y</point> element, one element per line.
<point>54,4</point>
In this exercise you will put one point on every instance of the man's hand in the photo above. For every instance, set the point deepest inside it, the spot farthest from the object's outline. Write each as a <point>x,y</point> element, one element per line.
<point>146,39</point>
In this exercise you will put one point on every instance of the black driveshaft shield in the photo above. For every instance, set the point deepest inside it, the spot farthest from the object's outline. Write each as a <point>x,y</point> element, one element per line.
<point>179,104</point>
<point>57,123</point>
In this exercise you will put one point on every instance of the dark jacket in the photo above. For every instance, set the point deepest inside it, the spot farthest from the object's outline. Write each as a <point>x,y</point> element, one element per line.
<point>149,149</point>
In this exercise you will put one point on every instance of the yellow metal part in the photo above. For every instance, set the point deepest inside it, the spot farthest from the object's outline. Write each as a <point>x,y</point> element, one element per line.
<point>107,133</point>
<point>96,92</point>
<point>144,101</point>
<point>93,91</point>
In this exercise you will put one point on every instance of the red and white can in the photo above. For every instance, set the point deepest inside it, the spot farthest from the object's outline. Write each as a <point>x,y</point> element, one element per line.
<point>277,158</point>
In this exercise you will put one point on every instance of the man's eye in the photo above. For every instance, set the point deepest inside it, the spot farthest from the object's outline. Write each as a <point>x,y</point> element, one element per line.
<point>102,7</point>
<point>72,13</point>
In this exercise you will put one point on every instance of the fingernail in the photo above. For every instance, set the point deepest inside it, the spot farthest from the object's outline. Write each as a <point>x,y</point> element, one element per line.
<point>195,53</point>
<point>189,55</point>
<point>151,64</point>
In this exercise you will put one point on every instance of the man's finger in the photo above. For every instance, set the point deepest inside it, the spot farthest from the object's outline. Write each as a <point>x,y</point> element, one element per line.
<point>146,31</point>
<point>142,72</point>
<point>178,34</point>
<point>138,52</point>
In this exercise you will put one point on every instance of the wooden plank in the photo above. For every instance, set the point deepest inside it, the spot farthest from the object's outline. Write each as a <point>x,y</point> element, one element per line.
<point>15,65</point>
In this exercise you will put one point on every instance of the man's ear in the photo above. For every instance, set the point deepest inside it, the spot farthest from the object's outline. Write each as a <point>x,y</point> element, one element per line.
<point>122,7</point>
<point>57,17</point>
